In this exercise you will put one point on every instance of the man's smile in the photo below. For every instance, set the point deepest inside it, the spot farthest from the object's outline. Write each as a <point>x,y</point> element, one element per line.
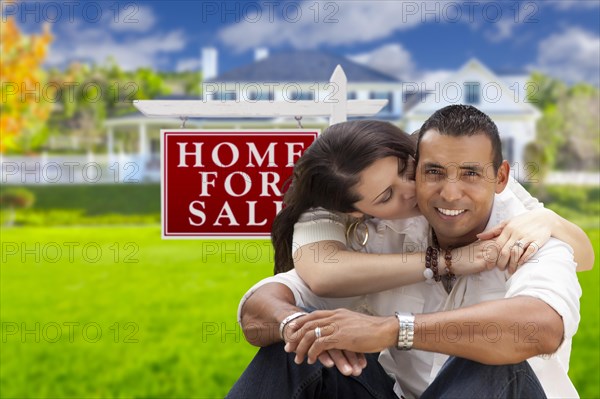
<point>450,212</point>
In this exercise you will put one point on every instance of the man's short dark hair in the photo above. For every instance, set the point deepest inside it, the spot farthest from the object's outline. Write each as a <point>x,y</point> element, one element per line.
<point>464,120</point>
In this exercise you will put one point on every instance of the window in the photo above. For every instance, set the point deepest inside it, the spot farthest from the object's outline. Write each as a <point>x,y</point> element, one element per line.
<point>508,149</point>
<point>472,92</point>
<point>252,96</point>
<point>265,94</point>
<point>384,95</point>
<point>229,96</point>
<point>306,95</point>
<point>224,96</point>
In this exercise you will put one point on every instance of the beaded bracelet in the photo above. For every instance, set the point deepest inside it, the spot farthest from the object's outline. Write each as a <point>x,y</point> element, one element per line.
<point>448,260</point>
<point>431,262</point>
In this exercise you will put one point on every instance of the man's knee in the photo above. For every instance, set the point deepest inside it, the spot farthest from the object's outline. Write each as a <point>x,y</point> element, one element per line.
<point>467,378</point>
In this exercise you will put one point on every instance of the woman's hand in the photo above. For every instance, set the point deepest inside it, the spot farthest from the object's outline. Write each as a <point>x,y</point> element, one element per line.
<point>470,259</point>
<point>519,238</point>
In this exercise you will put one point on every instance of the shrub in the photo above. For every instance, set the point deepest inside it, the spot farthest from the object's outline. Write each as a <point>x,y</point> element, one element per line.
<point>16,197</point>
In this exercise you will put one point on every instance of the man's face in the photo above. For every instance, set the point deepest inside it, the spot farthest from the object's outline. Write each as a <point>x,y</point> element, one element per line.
<point>456,184</point>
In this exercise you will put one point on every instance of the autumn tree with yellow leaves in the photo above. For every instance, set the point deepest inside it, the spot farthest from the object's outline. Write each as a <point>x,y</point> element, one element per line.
<point>24,108</point>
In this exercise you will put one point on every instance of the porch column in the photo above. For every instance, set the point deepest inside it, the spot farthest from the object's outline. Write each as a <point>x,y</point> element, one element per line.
<point>143,143</point>
<point>110,144</point>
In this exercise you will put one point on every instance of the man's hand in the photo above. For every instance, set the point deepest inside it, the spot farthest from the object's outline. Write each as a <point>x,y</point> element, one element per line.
<point>347,362</point>
<point>341,329</point>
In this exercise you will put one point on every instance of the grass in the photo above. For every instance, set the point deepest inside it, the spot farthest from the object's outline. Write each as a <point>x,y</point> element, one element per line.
<point>166,310</point>
<point>168,321</point>
<point>585,354</point>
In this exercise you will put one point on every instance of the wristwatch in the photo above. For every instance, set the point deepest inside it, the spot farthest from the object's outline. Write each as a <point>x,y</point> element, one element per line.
<point>406,330</point>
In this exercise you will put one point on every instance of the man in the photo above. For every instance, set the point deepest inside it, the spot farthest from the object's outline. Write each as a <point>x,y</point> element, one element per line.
<point>491,318</point>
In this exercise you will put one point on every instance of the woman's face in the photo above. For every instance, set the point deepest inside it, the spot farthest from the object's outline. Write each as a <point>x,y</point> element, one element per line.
<point>387,190</point>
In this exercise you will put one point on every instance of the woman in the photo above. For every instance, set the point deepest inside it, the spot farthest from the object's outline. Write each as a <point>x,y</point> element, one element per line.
<point>333,223</point>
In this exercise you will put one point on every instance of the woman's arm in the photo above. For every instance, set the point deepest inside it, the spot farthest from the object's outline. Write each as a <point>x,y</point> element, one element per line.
<point>550,222</point>
<point>332,270</point>
<point>532,229</point>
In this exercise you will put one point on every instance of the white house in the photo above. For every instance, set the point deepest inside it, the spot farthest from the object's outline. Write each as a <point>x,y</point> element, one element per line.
<point>298,75</point>
<point>286,76</point>
<point>304,75</point>
<point>501,97</point>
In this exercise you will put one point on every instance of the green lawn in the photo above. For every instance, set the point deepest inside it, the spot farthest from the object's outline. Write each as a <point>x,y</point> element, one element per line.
<point>174,311</point>
<point>166,311</point>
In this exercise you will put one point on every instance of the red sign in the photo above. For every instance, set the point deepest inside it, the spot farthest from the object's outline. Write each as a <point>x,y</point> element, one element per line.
<point>218,183</point>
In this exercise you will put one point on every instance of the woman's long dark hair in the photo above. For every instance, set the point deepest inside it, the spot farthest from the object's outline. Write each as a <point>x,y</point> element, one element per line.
<point>327,172</point>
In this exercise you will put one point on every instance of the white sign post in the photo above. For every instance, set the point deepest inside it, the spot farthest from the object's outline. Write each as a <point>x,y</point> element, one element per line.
<point>219,184</point>
<point>337,107</point>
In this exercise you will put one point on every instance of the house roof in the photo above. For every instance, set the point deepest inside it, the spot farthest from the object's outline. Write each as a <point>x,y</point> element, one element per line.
<point>421,103</point>
<point>302,66</point>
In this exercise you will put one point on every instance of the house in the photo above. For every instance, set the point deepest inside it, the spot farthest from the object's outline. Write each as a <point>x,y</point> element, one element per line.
<point>298,75</point>
<point>304,75</point>
<point>287,76</point>
<point>500,97</point>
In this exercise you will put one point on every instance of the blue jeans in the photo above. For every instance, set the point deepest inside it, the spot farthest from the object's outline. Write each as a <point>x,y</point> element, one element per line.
<point>462,378</point>
<point>273,374</point>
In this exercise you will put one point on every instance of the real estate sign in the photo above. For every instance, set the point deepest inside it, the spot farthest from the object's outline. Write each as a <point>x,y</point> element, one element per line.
<point>226,183</point>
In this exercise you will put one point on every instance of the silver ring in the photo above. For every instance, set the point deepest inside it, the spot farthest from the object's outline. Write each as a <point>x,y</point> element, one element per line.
<point>318,332</point>
<point>518,244</point>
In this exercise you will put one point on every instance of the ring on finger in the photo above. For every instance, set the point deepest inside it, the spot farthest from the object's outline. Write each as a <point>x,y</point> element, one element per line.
<point>518,244</point>
<point>318,332</point>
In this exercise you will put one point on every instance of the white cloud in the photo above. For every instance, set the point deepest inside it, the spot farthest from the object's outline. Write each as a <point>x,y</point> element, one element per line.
<point>361,21</point>
<point>572,55</point>
<point>573,4</point>
<point>392,59</point>
<point>501,30</point>
<point>131,17</point>
<point>85,42</point>
<point>337,23</point>
<point>189,64</point>
<point>395,60</point>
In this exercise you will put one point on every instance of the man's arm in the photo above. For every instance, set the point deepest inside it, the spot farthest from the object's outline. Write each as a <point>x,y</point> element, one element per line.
<point>504,331</point>
<point>541,307</point>
<point>264,310</point>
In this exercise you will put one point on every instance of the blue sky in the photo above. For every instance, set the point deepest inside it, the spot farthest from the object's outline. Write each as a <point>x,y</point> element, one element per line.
<point>408,39</point>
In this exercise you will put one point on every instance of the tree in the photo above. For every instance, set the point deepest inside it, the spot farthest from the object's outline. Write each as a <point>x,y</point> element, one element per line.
<point>581,127</point>
<point>568,131</point>
<point>23,109</point>
<point>91,93</point>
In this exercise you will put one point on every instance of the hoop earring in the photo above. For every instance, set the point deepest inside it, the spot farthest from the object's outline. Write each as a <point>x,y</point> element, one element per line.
<point>354,234</point>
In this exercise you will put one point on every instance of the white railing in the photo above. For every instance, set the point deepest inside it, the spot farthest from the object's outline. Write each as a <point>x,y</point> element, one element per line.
<point>134,168</point>
<point>79,169</point>
<point>573,177</point>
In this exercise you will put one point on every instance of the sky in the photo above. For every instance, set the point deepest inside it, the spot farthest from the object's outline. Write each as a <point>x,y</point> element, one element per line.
<point>406,39</point>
